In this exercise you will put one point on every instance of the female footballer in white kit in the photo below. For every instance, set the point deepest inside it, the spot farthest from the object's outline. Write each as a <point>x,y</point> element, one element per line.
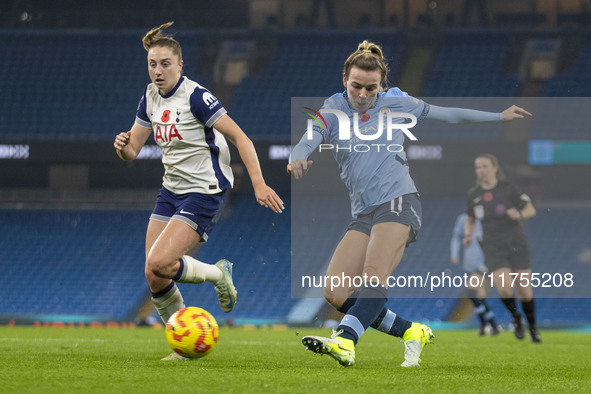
<point>191,126</point>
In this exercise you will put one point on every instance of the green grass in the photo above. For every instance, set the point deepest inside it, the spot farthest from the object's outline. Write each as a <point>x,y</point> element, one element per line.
<point>102,360</point>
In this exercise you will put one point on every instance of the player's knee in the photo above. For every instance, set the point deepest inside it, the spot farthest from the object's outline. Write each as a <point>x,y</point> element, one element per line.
<point>333,299</point>
<point>329,296</point>
<point>159,266</point>
<point>151,277</point>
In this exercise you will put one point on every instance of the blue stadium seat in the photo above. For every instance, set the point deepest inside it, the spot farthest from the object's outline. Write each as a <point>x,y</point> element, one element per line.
<point>466,68</point>
<point>576,82</point>
<point>90,263</point>
<point>89,87</point>
<point>299,67</point>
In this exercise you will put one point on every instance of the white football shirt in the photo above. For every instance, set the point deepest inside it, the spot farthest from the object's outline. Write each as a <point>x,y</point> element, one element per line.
<point>195,156</point>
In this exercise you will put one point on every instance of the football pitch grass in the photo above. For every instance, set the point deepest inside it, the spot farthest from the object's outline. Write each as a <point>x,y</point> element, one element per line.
<point>126,360</point>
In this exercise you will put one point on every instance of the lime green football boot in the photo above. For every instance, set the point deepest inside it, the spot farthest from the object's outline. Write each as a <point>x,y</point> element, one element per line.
<point>415,339</point>
<point>341,349</point>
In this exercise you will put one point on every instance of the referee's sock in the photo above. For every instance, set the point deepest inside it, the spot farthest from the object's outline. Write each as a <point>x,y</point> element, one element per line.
<point>529,309</point>
<point>512,307</point>
<point>367,307</point>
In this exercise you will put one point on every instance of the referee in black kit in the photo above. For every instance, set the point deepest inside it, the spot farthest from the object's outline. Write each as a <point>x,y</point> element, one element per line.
<point>501,207</point>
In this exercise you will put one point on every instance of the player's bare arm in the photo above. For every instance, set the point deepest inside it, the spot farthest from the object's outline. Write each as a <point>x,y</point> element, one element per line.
<point>265,195</point>
<point>129,144</point>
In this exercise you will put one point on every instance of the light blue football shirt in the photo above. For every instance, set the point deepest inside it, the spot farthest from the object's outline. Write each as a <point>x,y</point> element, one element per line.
<point>375,171</point>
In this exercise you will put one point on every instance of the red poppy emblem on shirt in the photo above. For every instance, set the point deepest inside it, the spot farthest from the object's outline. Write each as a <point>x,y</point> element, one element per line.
<point>165,116</point>
<point>487,196</point>
<point>364,117</point>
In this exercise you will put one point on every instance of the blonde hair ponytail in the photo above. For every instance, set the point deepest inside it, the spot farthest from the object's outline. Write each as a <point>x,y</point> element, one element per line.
<point>155,38</point>
<point>368,57</point>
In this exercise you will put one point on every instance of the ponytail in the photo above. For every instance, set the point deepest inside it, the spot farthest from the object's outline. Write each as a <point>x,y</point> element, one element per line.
<point>368,57</point>
<point>155,38</point>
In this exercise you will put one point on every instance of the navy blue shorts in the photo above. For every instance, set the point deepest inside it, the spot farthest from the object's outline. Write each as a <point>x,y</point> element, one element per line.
<point>405,210</point>
<point>198,210</point>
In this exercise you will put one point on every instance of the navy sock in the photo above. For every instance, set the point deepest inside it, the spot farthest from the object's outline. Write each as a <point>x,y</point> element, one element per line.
<point>349,302</point>
<point>489,315</point>
<point>479,309</point>
<point>367,307</point>
<point>179,273</point>
<point>390,323</point>
<point>529,309</point>
<point>387,321</point>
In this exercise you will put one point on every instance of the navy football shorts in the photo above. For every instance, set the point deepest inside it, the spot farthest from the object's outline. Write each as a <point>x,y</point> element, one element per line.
<point>405,210</point>
<point>200,211</point>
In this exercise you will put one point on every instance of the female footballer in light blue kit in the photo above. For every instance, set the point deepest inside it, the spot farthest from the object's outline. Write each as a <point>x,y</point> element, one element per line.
<point>190,124</point>
<point>385,205</point>
<point>472,261</point>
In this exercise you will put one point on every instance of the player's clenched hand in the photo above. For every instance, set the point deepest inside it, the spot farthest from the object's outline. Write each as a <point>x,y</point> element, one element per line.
<point>515,112</point>
<point>298,168</point>
<point>268,198</point>
<point>121,140</point>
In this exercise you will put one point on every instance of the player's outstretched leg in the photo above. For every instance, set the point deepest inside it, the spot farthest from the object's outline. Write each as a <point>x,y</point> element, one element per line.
<point>415,339</point>
<point>225,286</point>
<point>341,349</point>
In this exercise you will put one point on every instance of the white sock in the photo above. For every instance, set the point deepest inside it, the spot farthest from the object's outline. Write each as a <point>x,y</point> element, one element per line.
<point>194,271</point>
<point>169,302</point>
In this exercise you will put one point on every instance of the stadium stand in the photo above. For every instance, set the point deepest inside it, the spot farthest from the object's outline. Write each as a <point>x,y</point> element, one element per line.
<point>466,68</point>
<point>575,82</point>
<point>300,66</point>
<point>86,97</point>
<point>78,263</point>
<point>91,263</point>
<point>81,263</point>
<point>72,262</point>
